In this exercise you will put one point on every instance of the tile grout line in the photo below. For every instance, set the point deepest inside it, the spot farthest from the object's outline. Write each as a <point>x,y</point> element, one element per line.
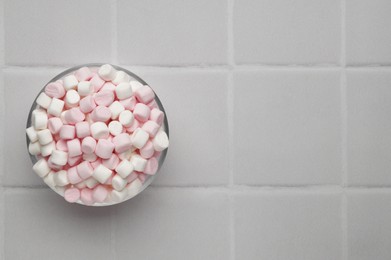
<point>114,31</point>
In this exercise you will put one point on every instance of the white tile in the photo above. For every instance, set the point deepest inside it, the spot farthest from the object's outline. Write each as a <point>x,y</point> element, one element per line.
<point>369,225</point>
<point>287,127</point>
<point>173,224</point>
<point>60,32</point>
<point>281,32</point>
<point>368,37</point>
<point>195,103</point>
<point>21,88</point>
<point>369,124</point>
<point>39,224</point>
<point>290,225</point>
<point>174,32</point>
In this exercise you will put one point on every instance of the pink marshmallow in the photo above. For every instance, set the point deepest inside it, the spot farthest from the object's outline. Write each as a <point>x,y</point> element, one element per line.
<point>85,170</point>
<point>87,104</point>
<point>104,98</point>
<point>151,127</point>
<point>54,166</point>
<point>152,166</point>
<point>82,129</point>
<point>110,179</point>
<point>104,148</point>
<point>74,115</point>
<point>122,143</point>
<point>134,126</point>
<point>108,86</point>
<point>55,90</point>
<point>152,104</point>
<point>88,145</point>
<point>74,148</point>
<point>144,94</point>
<point>86,196</point>
<point>54,125</point>
<point>73,176</point>
<point>129,103</point>
<point>101,114</point>
<point>83,74</point>
<point>72,161</point>
<point>99,193</point>
<point>67,132</point>
<point>72,195</point>
<point>157,116</point>
<point>112,162</point>
<point>131,177</point>
<point>148,150</point>
<point>141,112</point>
<point>96,163</point>
<point>97,82</point>
<point>62,145</point>
<point>142,177</point>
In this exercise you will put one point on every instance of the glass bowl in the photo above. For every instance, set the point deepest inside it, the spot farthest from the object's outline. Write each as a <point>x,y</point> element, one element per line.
<point>95,66</point>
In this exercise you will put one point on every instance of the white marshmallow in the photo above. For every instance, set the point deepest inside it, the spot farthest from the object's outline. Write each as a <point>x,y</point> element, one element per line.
<point>135,85</point>
<point>60,190</point>
<point>99,130</point>
<point>40,120</point>
<point>60,178</point>
<point>91,182</point>
<point>134,188</point>
<point>116,108</point>
<point>59,157</point>
<point>107,72</point>
<point>139,138</point>
<point>56,106</point>
<point>126,155</point>
<point>70,82</point>
<point>72,98</point>
<point>138,162</point>
<point>49,180</point>
<point>41,168</point>
<point>115,128</point>
<point>43,100</point>
<point>124,168</point>
<point>101,173</point>
<point>123,90</point>
<point>126,118</point>
<point>81,185</point>
<point>44,137</point>
<point>118,196</point>
<point>84,88</point>
<point>34,148</point>
<point>90,157</point>
<point>62,117</point>
<point>47,150</point>
<point>160,142</point>
<point>121,77</point>
<point>118,183</point>
<point>32,134</point>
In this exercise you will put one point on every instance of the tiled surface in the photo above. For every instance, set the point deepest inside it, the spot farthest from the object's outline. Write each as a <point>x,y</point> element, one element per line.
<point>279,143</point>
<point>281,32</point>
<point>290,225</point>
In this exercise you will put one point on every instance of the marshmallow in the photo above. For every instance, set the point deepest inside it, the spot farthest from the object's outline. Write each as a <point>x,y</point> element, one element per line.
<point>39,120</point>
<point>67,132</point>
<point>84,170</point>
<point>138,162</point>
<point>112,162</point>
<point>157,116</point>
<point>102,173</point>
<point>81,185</point>
<point>126,155</point>
<point>116,108</point>
<point>32,134</point>
<point>87,104</point>
<point>118,196</point>
<point>55,90</point>
<point>126,118</point>
<point>62,145</point>
<point>43,100</point>
<point>151,127</point>
<point>104,148</point>
<point>99,193</point>
<point>86,196</point>
<point>99,130</point>
<point>70,82</point>
<point>115,128</point>
<point>101,114</point>
<point>123,91</point>
<point>151,166</point>
<point>72,195</point>
<point>41,168</point>
<point>54,125</point>
<point>60,178</point>
<point>90,157</point>
<point>122,143</point>
<point>34,148</point>
<point>160,142</point>
<point>72,161</point>
<point>72,98</point>
<point>88,145</point>
<point>133,176</point>
<point>59,157</point>
<point>84,73</point>
<point>74,148</point>
<point>153,104</point>
<point>73,175</point>
<point>135,85</point>
<point>134,188</point>
<point>118,183</point>
<point>56,106</point>
<point>129,103</point>
<point>104,98</point>
<point>108,86</point>
<point>141,112</point>
<point>47,149</point>
<point>148,150</point>
<point>85,88</point>
<point>139,138</point>
<point>97,82</point>
<point>44,137</point>
<point>62,117</point>
<point>91,182</point>
<point>144,94</point>
<point>107,72</point>
<point>124,168</point>
<point>121,77</point>
<point>49,180</point>
<point>82,129</point>
<point>74,115</point>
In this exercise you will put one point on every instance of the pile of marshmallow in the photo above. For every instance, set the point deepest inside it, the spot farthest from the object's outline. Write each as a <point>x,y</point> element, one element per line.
<point>98,134</point>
